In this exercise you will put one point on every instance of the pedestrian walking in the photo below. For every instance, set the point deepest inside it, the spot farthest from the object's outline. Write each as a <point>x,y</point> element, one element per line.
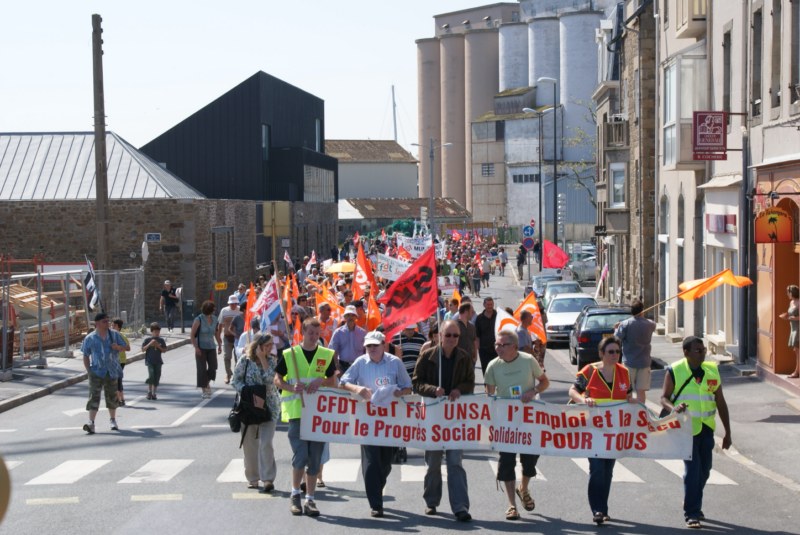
<point>376,373</point>
<point>598,384</point>
<point>793,316</point>
<point>116,325</point>
<point>231,323</point>
<point>636,335</point>
<point>484,330</point>
<point>207,345</point>
<point>101,359</point>
<point>521,258</point>
<point>347,341</point>
<point>694,385</point>
<point>153,346</point>
<point>168,303</point>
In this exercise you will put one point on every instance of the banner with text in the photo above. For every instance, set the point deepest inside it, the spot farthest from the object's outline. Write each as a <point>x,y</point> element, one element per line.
<point>481,422</point>
<point>417,246</point>
<point>390,268</point>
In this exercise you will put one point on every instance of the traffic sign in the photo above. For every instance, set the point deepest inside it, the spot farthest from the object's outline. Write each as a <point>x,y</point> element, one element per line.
<point>527,231</point>
<point>527,243</point>
<point>219,286</point>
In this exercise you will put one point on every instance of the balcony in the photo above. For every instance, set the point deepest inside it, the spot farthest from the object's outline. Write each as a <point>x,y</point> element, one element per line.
<point>616,132</point>
<point>690,18</point>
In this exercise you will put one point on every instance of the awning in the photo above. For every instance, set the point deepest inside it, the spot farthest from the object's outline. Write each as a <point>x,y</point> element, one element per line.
<point>724,181</point>
<point>788,158</point>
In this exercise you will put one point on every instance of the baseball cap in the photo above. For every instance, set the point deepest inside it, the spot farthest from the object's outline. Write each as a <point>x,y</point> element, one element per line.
<point>411,326</point>
<point>374,337</point>
<point>350,309</point>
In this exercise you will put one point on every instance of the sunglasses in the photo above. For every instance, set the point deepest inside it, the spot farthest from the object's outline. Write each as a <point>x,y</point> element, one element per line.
<point>451,335</point>
<point>613,351</point>
<point>498,344</point>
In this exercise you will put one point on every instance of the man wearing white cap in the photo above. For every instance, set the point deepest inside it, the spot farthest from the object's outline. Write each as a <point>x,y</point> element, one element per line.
<point>231,322</point>
<point>376,374</point>
<point>168,304</point>
<point>348,340</point>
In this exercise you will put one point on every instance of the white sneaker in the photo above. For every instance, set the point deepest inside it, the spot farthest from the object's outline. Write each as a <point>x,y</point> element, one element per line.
<point>114,426</point>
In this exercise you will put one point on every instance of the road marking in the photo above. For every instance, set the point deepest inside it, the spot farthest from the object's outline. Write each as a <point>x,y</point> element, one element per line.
<point>677,467</point>
<point>156,497</point>
<point>64,429</point>
<point>150,426</point>
<point>621,474</point>
<point>13,464</point>
<point>415,469</point>
<point>67,472</point>
<point>8,430</point>
<point>253,495</point>
<point>518,471</point>
<point>134,401</point>
<point>342,470</point>
<point>233,473</point>
<point>199,406</point>
<point>157,471</point>
<point>215,426</point>
<point>74,412</point>
<point>52,501</point>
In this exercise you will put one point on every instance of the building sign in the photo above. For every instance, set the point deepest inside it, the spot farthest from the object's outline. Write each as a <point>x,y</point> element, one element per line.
<point>709,135</point>
<point>774,225</point>
<point>152,237</point>
<point>219,286</point>
<point>600,230</point>
<point>721,223</point>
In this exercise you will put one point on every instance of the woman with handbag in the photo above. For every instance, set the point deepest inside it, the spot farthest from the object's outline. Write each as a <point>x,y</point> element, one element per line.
<point>257,369</point>
<point>602,383</point>
<point>205,332</point>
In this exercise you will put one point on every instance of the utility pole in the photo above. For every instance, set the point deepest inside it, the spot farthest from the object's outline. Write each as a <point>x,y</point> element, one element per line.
<point>100,160</point>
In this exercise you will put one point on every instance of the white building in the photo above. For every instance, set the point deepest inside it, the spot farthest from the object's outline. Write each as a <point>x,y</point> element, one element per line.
<point>373,168</point>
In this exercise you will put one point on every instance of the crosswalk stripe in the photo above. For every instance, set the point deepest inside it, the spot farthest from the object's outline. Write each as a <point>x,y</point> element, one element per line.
<point>157,471</point>
<point>341,470</point>
<point>252,495</point>
<point>676,467</point>
<point>13,464</point>
<point>156,497</point>
<point>67,472</point>
<point>7,430</point>
<point>233,473</point>
<point>518,471</point>
<point>52,501</point>
<point>621,474</point>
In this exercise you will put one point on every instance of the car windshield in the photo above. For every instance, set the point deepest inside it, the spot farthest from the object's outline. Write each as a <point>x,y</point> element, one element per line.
<point>604,321</point>
<point>563,288</point>
<point>573,304</point>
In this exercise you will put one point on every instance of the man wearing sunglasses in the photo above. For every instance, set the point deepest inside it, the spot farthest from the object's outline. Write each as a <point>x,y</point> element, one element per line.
<point>457,377</point>
<point>514,374</point>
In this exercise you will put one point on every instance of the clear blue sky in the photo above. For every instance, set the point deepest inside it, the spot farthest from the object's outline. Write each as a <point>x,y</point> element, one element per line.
<point>165,60</point>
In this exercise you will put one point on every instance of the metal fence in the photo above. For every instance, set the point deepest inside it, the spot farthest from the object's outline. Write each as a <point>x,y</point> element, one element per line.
<point>47,314</point>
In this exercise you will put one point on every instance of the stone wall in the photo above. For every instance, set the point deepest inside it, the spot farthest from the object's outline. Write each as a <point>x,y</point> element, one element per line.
<point>189,253</point>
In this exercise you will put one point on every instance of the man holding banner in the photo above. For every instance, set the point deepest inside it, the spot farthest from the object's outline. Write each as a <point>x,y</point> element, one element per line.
<point>375,375</point>
<point>514,374</point>
<point>303,368</point>
<point>446,370</point>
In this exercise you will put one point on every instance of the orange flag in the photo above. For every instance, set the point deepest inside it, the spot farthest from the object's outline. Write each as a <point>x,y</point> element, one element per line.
<point>358,292</point>
<point>251,300</point>
<point>363,274</point>
<point>373,314</point>
<point>287,291</point>
<point>297,335</point>
<point>295,289</point>
<point>537,326</point>
<point>457,295</point>
<point>695,289</point>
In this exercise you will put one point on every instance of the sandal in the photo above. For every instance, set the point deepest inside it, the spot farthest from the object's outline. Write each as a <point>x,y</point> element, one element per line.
<point>511,513</point>
<point>527,502</point>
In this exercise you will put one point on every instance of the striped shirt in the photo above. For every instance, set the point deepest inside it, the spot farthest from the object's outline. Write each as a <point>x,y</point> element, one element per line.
<point>410,347</point>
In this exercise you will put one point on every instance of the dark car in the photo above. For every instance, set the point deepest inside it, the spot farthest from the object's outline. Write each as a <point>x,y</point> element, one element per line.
<point>592,325</point>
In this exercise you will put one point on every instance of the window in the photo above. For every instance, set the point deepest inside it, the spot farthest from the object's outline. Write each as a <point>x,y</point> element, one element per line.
<point>726,71</point>
<point>775,71</point>
<point>665,13</point>
<point>670,103</point>
<point>487,169</point>
<point>317,184</point>
<point>317,135</point>
<point>755,73</point>
<point>527,178</point>
<point>617,185</point>
<point>265,142</point>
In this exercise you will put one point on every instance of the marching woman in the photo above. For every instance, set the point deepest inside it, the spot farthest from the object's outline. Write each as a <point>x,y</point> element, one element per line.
<point>258,368</point>
<point>602,383</point>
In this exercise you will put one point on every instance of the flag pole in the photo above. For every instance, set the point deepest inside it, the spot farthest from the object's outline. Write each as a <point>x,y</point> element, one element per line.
<point>280,298</point>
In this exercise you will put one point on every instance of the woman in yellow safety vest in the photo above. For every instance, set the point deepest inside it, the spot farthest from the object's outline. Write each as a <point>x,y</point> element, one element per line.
<point>602,383</point>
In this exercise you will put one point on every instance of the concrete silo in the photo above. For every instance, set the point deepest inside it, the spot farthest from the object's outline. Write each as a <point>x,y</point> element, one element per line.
<point>451,56</point>
<point>513,50</point>
<point>428,98</point>
<point>544,55</point>
<point>578,78</point>
<point>480,86</point>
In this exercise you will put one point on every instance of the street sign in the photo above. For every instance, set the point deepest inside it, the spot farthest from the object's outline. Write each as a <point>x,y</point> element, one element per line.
<point>219,286</point>
<point>152,237</point>
<point>527,231</point>
<point>527,243</point>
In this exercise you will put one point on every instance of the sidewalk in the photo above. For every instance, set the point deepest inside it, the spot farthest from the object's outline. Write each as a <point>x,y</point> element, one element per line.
<point>31,383</point>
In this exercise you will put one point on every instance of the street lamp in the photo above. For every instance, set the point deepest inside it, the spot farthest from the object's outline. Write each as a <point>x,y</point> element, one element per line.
<point>553,81</point>
<point>539,115</point>
<point>430,200</point>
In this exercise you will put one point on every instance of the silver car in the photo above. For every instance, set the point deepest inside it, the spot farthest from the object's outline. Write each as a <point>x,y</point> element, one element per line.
<point>584,269</point>
<point>562,311</point>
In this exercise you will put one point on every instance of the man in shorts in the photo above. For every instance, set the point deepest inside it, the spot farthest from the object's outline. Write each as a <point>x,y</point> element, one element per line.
<point>100,351</point>
<point>636,334</point>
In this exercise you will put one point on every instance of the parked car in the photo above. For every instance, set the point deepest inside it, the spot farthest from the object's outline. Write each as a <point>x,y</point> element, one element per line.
<point>556,287</point>
<point>584,269</point>
<point>538,282</point>
<point>562,311</point>
<point>592,325</point>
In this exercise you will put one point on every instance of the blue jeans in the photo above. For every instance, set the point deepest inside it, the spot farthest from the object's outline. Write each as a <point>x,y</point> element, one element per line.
<point>696,472</point>
<point>456,480</point>
<point>601,471</point>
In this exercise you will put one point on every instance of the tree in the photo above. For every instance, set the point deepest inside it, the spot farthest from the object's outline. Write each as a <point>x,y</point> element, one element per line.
<point>583,172</point>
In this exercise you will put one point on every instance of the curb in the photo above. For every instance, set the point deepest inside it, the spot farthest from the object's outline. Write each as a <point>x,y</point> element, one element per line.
<point>37,393</point>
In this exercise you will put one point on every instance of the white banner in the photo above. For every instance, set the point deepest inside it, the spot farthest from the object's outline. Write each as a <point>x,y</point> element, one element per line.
<point>480,422</point>
<point>417,246</point>
<point>390,268</point>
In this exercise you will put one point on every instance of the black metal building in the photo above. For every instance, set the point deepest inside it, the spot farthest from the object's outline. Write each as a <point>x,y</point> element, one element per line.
<point>262,140</point>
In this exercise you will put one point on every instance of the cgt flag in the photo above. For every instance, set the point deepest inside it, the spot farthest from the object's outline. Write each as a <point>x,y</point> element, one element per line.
<point>412,297</point>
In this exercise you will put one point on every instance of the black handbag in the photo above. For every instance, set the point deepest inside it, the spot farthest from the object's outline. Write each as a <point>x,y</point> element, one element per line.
<point>235,417</point>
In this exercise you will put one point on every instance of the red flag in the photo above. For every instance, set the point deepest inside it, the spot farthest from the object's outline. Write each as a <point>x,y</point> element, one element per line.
<point>478,239</point>
<point>383,235</point>
<point>402,253</point>
<point>356,239</point>
<point>457,235</point>
<point>412,297</point>
<point>287,258</point>
<point>494,241</point>
<point>554,256</point>
<point>251,301</point>
<point>363,274</point>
